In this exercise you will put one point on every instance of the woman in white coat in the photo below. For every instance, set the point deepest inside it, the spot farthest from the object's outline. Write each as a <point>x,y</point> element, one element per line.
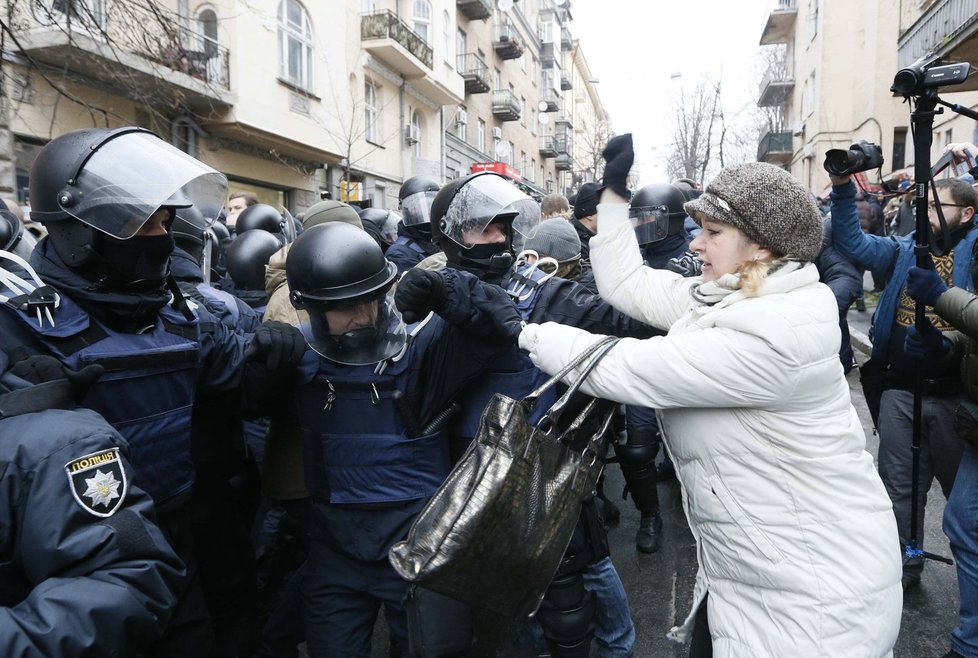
<point>797,546</point>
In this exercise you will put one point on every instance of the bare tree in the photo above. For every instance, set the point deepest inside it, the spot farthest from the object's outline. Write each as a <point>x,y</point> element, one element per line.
<point>694,117</point>
<point>591,140</point>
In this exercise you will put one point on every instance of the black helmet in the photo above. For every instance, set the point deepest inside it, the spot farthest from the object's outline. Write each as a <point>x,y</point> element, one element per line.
<point>247,257</point>
<point>113,181</point>
<point>466,206</point>
<point>382,222</point>
<point>201,243</point>
<point>656,211</point>
<point>338,267</point>
<point>260,216</point>
<point>414,201</point>
<point>11,228</point>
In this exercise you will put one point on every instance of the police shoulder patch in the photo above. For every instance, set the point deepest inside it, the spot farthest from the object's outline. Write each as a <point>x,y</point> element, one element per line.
<point>98,482</point>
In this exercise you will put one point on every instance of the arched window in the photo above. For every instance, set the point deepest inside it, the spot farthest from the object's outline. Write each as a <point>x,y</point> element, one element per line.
<point>295,43</point>
<point>446,36</point>
<point>421,12</point>
<point>416,126</point>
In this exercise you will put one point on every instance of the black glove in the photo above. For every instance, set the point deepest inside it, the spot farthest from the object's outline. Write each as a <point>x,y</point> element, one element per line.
<point>688,264</point>
<point>418,293</point>
<point>280,344</point>
<point>41,368</point>
<point>619,157</point>
<point>502,309</point>
<point>930,344</point>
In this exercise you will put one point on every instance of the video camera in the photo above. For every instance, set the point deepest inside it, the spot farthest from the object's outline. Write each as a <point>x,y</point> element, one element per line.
<point>928,73</point>
<point>860,156</point>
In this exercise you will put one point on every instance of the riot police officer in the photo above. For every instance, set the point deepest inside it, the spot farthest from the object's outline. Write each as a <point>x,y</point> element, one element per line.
<point>84,570</point>
<point>413,243</point>
<point>367,401</point>
<point>108,199</point>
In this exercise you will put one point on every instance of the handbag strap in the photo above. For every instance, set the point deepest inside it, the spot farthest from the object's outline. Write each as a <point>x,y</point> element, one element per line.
<point>592,355</point>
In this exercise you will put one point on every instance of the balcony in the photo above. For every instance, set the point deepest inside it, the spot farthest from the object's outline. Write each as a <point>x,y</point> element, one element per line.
<point>563,162</point>
<point>950,29</point>
<point>506,41</point>
<point>775,148</point>
<point>566,42</point>
<point>776,88</point>
<point>475,72</point>
<point>475,10</point>
<point>390,40</point>
<point>505,105</point>
<point>547,147</point>
<point>551,98</point>
<point>780,23</point>
<point>565,82</point>
<point>564,124</point>
<point>549,54</point>
<point>160,62</point>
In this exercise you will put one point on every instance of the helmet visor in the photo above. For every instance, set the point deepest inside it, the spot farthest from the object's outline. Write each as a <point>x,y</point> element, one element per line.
<point>651,223</point>
<point>416,208</point>
<point>484,199</point>
<point>114,196</point>
<point>376,333</point>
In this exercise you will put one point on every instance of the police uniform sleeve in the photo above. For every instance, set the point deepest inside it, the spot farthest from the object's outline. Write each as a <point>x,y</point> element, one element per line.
<point>101,577</point>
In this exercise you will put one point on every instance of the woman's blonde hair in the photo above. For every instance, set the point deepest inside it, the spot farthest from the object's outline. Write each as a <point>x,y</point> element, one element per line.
<point>752,272</point>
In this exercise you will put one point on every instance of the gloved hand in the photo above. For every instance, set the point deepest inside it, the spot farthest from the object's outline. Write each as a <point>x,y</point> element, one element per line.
<point>928,345</point>
<point>42,368</point>
<point>280,345</point>
<point>418,293</point>
<point>619,156</point>
<point>505,316</point>
<point>688,264</point>
<point>924,284</point>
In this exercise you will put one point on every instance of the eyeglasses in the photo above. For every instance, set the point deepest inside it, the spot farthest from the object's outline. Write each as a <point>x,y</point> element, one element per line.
<point>931,206</point>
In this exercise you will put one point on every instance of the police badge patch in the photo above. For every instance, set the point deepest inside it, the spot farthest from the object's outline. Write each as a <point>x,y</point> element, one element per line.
<point>98,482</point>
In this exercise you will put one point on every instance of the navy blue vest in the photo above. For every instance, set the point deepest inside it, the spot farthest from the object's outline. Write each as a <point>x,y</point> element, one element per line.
<point>355,444</point>
<point>147,390</point>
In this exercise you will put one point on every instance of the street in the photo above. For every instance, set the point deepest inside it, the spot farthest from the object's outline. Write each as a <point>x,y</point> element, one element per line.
<point>660,585</point>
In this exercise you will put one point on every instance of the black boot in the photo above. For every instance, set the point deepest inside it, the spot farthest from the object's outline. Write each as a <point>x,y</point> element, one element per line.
<point>649,532</point>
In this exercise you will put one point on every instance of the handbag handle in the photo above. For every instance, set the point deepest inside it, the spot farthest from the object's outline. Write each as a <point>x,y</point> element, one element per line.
<point>591,355</point>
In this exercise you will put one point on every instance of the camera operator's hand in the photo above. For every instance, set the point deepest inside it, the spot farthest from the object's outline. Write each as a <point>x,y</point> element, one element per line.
<point>963,152</point>
<point>924,284</point>
<point>927,345</point>
<point>619,156</point>
<point>840,180</point>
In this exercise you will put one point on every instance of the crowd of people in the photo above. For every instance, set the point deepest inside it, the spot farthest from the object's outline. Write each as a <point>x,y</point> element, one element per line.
<point>216,419</point>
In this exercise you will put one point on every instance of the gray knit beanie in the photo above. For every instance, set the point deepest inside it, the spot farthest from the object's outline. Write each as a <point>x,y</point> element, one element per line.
<point>330,211</point>
<point>555,238</point>
<point>768,204</point>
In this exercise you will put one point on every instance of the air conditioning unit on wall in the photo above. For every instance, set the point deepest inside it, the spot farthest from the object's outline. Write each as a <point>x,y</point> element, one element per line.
<point>461,117</point>
<point>497,133</point>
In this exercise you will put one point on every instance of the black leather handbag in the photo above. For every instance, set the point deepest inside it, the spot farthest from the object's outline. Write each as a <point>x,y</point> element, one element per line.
<point>493,535</point>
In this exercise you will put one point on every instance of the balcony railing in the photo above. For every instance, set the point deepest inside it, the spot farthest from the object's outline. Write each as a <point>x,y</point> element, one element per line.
<point>775,147</point>
<point>941,28</point>
<point>120,28</point>
<point>475,72</point>
<point>475,10</point>
<point>547,148</point>
<point>780,22</point>
<point>775,88</point>
<point>505,105</point>
<point>385,24</point>
<point>565,82</point>
<point>566,42</point>
<point>551,98</point>
<point>507,41</point>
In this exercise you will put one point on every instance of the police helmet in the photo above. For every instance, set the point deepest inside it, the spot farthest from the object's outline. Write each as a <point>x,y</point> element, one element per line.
<point>112,181</point>
<point>260,216</point>
<point>382,222</point>
<point>466,206</point>
<point>247,257</point>
<point>338,267</point>
<point>415,199</point>
<point>656,211</point>
<point>11,228</point>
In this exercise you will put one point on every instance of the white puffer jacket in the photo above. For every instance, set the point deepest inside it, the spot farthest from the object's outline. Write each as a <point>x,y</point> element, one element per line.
<point>796,538</point>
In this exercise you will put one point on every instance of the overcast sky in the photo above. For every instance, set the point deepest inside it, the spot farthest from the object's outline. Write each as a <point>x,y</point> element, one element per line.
<point>634,47</point>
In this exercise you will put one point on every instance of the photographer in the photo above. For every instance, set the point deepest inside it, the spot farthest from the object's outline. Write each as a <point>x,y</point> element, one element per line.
<point>888,376</point>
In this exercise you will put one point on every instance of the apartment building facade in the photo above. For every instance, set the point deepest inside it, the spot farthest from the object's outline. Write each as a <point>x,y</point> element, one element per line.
<point>289,98</point>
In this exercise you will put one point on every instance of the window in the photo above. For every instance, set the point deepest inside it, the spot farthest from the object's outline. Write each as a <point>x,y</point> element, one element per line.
<point>813,20</point>
<point>461,119</point>
<point>295,43</point>
<point>808,97</point>
<point>498,80</point>
<point>416,127</point>
<point>899,159</point>
<point>523,110</point>
<point>421,14</point>
<point>446,35</point>
<point>368,6</point>
<point>533,170</point>
<point>481,138</point>
<point>522,161</point>
<point>370,110</point>
<point>461,42</point>
<point>510,155</point>
<point>205,41</point>
<point>533,121</point>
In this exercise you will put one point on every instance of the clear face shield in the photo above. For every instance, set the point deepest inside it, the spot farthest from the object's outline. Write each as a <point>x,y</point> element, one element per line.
<point>389,230</point>
<point>116,196</point>
<point>487,198</point>
<point>652,223</point>
<point>368,329</point>
<point>416,209</point>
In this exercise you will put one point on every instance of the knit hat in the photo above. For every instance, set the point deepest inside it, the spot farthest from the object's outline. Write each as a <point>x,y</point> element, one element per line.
<point>555,238</point>
<point>768,204</point>
<point>586,201</point>
<point>330,211</point>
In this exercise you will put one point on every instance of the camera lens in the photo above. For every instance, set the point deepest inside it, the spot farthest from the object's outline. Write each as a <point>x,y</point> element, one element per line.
<point>837,162</point>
